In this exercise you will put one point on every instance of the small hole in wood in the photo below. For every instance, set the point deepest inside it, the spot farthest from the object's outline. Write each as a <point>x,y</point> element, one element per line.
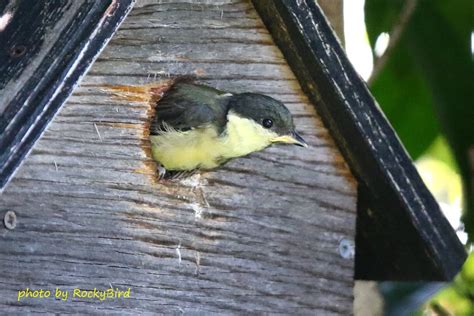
<point>17,51</point>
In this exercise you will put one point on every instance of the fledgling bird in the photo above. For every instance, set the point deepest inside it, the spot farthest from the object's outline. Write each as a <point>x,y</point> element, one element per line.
<point>197,127</point>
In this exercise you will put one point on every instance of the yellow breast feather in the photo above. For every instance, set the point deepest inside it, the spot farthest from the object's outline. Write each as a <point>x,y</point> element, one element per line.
<point>204,148</point>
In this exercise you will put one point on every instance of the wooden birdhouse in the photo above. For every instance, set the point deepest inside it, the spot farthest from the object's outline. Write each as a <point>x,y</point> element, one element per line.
<point>283,230</point>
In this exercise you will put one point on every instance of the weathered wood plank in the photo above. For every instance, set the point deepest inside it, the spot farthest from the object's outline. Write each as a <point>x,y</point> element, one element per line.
<point>47,46</point>
<point>260,235</point>
<point>333,10</point>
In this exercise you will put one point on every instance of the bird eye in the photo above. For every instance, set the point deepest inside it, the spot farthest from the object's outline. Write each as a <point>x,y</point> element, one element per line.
<point>267,123</point>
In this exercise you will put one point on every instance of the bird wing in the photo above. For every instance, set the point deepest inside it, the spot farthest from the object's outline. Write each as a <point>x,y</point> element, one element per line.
<point>186,106</point>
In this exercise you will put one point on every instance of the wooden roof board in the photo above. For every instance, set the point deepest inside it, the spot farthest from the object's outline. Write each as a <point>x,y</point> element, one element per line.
<point>402,234</point>
<point>47,46</point>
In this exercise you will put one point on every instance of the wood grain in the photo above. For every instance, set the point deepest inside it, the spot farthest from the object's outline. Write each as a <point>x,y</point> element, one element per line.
<point>46,48</point>
<point>260,235</point>
<point>333,10</point>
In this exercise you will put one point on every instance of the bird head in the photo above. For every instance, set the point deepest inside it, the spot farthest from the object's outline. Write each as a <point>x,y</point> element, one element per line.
<point>270,118</point>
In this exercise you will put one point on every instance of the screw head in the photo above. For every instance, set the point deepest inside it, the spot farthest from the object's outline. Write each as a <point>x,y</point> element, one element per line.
<point>347,248</point>
<point>9,220</point>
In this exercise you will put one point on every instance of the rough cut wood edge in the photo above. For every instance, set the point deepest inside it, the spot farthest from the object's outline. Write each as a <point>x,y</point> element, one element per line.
<point>402,234</point>
<point>261,235</point>
<point>333,10</point>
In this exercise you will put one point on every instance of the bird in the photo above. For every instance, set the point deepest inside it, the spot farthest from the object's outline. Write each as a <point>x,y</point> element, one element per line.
<point>197,127</point>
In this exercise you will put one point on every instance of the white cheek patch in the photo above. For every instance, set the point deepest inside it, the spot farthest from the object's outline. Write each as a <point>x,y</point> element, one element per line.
<point>246,135</point>
<point>248,127</point>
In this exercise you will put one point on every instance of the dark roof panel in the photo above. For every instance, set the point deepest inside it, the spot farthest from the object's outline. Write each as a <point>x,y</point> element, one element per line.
<point>47,46</point>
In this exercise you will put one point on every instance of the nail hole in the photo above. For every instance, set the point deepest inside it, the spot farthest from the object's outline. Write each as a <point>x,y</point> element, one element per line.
<point>17,51</point>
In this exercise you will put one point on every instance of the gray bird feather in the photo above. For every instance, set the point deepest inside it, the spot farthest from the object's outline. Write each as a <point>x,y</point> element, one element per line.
<point>186,106</point>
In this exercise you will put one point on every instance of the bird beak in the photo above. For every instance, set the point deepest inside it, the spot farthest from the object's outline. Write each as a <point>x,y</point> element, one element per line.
<point>299,141</point>
<point>293,138</point>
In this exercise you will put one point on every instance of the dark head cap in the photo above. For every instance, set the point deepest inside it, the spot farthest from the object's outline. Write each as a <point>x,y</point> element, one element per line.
<point>268,112</point>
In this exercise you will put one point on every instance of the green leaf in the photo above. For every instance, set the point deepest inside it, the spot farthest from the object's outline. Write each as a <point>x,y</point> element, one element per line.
<point>406,101</point>
<point>400,89</point>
